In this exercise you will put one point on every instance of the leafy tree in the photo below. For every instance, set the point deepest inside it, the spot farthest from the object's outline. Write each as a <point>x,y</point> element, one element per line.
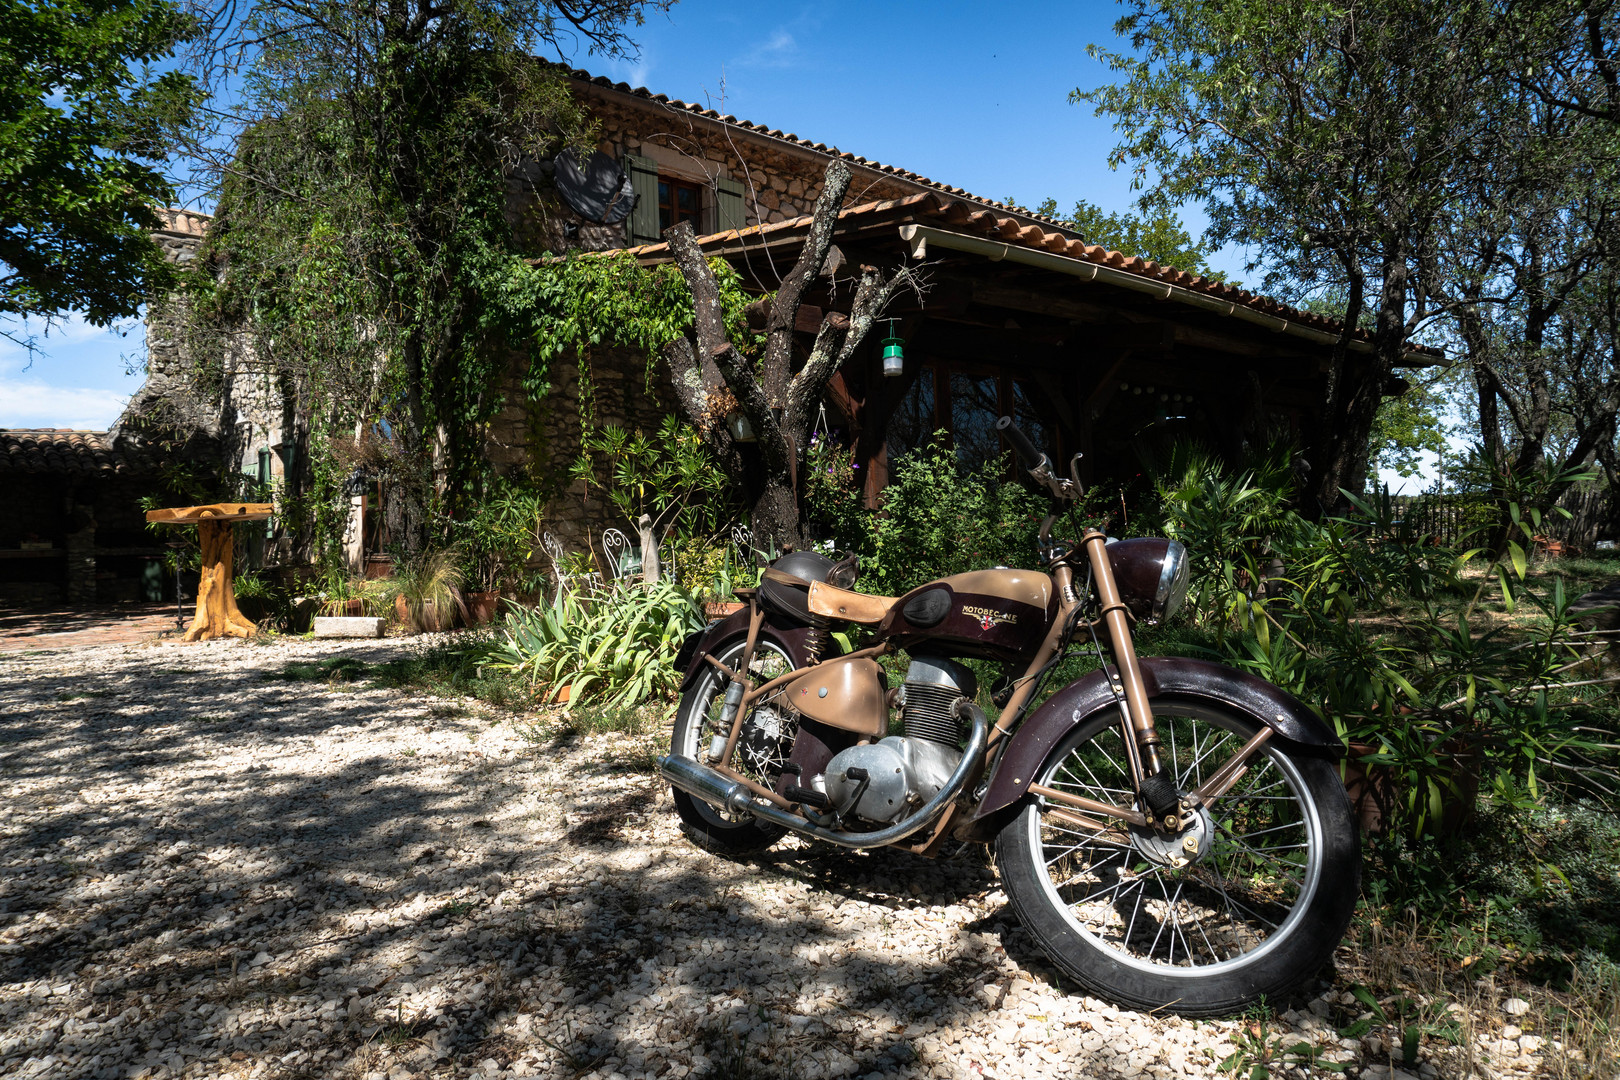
<point>1408,426</point>
<point>363,212</point>
<point>1334,139</point>
<point>1158,235</point>
<point>83,141</point>
<point>1532,268</point>
<point>1447,169</point>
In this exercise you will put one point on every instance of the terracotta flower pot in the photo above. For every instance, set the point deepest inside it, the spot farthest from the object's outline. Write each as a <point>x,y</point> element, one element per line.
<point>432,621</point>
<point>483,607</point>
<point>718,610</point>
<point>1375,791</point>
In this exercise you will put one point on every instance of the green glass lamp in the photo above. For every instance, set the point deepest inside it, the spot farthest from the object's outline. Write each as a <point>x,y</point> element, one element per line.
<point>894,357</point>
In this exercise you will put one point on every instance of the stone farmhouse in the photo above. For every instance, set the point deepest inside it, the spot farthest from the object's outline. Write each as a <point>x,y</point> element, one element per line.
<point>1092,350</point>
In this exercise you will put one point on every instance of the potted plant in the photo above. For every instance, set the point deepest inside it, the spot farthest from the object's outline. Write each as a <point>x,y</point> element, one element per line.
<point>718,599</point>
<point>255,597</point>
<point>495,542</point>
<point>430,587</point>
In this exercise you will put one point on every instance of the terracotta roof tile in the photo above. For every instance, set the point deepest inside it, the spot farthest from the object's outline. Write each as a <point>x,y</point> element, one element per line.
<point>62,450</point>
<point>777,133</point>
<point>932,209</point>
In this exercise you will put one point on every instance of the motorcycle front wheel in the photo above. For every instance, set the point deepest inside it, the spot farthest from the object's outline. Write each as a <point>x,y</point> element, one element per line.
<point>1248,900</point>
<point>762,749</point>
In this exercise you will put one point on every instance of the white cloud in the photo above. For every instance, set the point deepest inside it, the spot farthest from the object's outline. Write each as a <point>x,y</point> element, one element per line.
<point>780,50</point>
<point>63,336</point>
<point>32,404</point>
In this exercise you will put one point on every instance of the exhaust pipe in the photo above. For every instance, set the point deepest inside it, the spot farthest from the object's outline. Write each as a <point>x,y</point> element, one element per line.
<point>702,782</point>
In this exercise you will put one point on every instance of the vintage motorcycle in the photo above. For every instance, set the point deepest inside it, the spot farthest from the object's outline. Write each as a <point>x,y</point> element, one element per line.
<point>1174,833</point>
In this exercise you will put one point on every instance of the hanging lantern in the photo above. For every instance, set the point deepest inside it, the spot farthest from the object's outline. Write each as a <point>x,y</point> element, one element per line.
<point>741,429</point>
<point>894,357</point>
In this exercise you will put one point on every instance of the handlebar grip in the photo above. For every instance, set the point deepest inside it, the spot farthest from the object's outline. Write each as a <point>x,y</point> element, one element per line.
<point>1020,442</point>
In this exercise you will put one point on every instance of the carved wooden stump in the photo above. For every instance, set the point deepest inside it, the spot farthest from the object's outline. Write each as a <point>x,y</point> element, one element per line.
<point>217,614</point>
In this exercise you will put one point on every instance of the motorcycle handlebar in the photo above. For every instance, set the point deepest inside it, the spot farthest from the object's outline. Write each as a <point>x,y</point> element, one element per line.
<point>1021,445</point>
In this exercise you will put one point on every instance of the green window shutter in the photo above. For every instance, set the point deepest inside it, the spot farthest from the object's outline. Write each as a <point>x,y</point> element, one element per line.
<point>728,205</point>
<point>643,219</point>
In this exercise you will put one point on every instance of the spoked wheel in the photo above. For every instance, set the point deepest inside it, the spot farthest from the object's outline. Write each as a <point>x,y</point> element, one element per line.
<point>762,749</point>
<point>1249,898</point>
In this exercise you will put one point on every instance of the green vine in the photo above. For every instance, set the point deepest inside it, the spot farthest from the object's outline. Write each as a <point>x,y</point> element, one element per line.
<point>586,302</point>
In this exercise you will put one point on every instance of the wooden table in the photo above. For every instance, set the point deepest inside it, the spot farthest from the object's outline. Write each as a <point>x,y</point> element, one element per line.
<point>217,615</point>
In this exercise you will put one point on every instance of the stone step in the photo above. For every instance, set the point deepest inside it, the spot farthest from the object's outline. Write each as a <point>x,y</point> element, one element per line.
<point>348,626</point>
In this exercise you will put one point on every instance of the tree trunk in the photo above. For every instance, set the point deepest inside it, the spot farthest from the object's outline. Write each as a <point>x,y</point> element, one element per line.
<point>217,615</point>
<point>779,404</point>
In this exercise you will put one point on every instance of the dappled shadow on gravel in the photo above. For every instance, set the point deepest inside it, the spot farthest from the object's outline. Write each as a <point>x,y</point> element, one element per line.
<point>207,869</point>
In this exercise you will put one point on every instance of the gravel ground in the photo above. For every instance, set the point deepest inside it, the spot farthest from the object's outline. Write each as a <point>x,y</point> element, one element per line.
<point>209,871</point>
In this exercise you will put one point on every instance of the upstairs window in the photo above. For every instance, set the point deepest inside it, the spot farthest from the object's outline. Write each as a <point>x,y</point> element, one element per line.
<point>679,201</point>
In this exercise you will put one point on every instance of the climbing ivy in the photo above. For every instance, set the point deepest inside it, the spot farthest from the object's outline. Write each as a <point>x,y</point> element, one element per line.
<point>585,302</point>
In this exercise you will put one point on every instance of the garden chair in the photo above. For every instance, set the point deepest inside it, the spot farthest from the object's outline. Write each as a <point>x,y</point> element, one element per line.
<point>1550,547</point>
<point>622,557</point>
<point>566,582</point>
<point>743,539</point>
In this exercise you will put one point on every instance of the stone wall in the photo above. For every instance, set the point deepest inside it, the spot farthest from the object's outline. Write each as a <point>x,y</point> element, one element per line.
<point>540,440</point>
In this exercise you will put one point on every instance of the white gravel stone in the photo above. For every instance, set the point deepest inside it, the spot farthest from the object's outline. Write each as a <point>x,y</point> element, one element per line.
<point>208,871</point>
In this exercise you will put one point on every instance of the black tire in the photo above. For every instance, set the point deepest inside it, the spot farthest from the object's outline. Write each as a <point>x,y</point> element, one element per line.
<point>1260,908</point>
<point>696,722</point>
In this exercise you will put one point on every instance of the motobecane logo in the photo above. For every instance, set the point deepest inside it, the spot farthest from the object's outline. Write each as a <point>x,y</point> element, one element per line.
<point>988,617</point>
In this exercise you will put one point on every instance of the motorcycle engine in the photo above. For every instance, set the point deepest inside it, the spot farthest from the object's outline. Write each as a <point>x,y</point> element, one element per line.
<point>881,782</point>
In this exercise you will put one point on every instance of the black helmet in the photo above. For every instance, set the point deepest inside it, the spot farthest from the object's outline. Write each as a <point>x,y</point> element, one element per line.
<point>785,587</point>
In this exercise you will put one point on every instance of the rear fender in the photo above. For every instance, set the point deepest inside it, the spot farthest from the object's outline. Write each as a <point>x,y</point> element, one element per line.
<point>1294,725</point>
<point>713,637</point>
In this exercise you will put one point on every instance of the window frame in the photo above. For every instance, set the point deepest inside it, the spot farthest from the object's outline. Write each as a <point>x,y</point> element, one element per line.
<point>674,184</point>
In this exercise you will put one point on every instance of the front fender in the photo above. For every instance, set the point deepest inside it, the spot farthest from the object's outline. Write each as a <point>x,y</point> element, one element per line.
<point>709,640</point>
<point>1294,724</point>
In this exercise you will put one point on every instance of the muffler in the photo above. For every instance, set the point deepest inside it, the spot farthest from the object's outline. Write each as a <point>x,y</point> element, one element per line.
<point>704,783</point>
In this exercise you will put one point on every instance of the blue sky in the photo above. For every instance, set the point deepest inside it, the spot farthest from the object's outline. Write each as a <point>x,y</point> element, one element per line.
<point>968,94</point>
<point>972,95</point>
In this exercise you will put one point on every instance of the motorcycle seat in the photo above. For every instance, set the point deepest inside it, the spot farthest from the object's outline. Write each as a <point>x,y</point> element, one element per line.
<point>835,603</point>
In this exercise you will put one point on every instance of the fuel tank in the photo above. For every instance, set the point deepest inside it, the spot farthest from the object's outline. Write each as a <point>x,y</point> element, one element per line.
<point>993,614</point>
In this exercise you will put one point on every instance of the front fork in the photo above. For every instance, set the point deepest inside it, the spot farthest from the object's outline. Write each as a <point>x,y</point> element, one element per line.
<point>1143,745</point>
<point>1155,786</point>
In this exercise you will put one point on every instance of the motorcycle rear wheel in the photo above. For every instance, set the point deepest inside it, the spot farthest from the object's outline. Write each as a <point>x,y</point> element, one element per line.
<point>697,721</point>
<point>1260,906</point>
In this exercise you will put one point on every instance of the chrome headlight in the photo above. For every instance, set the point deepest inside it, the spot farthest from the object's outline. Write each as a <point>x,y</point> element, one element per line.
<point>1174,578</point>
<point>1152,576</point>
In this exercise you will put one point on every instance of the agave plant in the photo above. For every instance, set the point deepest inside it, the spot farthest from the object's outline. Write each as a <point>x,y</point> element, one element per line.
<point>617,647</point>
